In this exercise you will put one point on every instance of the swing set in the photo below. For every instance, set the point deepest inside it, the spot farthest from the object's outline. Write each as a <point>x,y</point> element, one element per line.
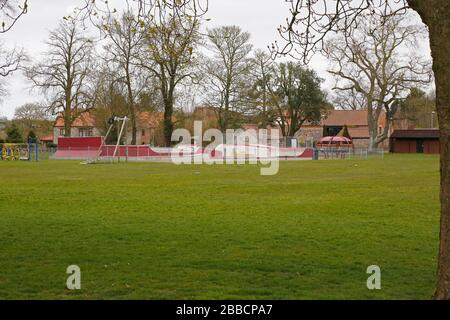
<point>121,129</point>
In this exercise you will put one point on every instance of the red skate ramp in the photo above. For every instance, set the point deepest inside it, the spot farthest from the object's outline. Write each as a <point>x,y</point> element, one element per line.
<point>78,147</point>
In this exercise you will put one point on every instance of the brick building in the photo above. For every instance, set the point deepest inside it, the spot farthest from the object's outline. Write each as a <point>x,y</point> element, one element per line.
<point>148,127</point>
<point>355,120</point>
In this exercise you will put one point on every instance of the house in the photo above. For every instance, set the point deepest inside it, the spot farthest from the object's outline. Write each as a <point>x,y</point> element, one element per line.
<point>82,126</point>
<point>415,141</point>
<point>334,122</point>
<point>148,127</point>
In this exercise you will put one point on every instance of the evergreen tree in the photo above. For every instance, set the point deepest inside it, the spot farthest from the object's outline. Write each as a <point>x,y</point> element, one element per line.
<point>13,134</point>
<point>31,137</point>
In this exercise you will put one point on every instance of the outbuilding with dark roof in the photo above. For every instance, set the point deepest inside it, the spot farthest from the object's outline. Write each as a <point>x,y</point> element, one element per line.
<point>415,141</point>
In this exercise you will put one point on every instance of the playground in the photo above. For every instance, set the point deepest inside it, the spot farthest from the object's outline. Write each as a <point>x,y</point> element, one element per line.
<point>19,151</point>
<point>241,146</point>
<point>147,230</point>
<point>94,150</point>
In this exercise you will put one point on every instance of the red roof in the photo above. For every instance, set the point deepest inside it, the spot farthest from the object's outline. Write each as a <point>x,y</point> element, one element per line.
<point>346,117</point>
<point>361,132</point>
<point>47,138</point>
<point>355,118</point>
<point>147,119</point>
<point>87,120</point>
<point>83,120</point>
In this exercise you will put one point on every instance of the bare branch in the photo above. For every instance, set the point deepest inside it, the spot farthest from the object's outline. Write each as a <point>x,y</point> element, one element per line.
<point>311,22</point>
<point>10,12</point>
<point>63,76</point>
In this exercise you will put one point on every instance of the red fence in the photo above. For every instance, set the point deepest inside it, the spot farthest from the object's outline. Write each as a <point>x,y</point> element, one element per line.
<point>89,147</point>
<point>132,151</point>
<point>80,142</point>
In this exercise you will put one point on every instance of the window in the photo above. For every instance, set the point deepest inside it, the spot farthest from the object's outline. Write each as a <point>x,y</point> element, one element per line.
<point>62,132</point>
<point>143,132</point>
<point>85,132</point>
<point>380,130</point>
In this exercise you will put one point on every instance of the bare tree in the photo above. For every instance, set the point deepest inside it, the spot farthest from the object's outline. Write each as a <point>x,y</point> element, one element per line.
<point>10,61</point>
<point>10,12</point>
<point>227,71</point>
<point>181,9</point>
<point>262,72</point>
<point>30,112</point>
<point>171,40</point>
<point>123,49</point>
<point>171,31</point>
<point>348,100</point>
<point>32,116</point>
<point>63,75</point>
<point>312,21</point>
<point>372,64</point>
<point>110,100</point>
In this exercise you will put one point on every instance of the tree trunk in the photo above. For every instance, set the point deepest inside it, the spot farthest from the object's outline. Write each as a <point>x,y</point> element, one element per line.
<point>373,131</point>
<point>168,125</point>
<point>226,110</point>
<point>133,123</point>
<point>436,15</point>
<point>440,49</point>
<point>167,92</point>
<point>68,123</point>
<point>168,113</point>
<point>385,134</point>
<point>132,111</point>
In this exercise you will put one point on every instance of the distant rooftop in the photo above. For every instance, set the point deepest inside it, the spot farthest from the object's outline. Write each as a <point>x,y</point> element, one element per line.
<point>346,117</point>
<point>416,134</point>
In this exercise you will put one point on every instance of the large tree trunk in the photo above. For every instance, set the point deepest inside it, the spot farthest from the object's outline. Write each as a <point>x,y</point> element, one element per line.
<point>67,126</point>
<point>436,15</point>
<point>440,49</point>
<point>373,130</point>
<point>168,125</point>
<point>68,120</point>
<point>167,92</point>
<point>381,137</point>
<point>226,111</point>
<point>132,113</point>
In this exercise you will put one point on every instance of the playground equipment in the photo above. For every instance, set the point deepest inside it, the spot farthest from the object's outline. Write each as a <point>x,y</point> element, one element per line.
<point>19,151</point>
<point>335,147</point>
<point>121,124</point>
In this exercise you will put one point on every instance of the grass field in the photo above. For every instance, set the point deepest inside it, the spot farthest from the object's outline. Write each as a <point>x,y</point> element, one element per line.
<point>160,231</point>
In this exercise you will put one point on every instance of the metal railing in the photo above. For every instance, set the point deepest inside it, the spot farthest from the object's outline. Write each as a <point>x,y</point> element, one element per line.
<point>347,153</point>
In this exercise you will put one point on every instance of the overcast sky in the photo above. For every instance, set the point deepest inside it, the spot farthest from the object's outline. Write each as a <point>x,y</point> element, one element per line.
<point>259,17</point>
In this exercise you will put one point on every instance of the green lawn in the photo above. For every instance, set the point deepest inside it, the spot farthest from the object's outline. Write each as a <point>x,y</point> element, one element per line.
<point>160,231</point>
